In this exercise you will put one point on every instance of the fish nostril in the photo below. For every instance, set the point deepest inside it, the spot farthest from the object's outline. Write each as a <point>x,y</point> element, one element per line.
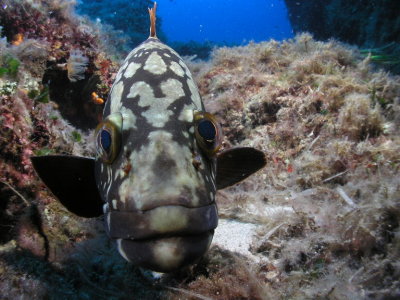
<point>127,168</point>
<point>196,161</point>
<point>184,199</point>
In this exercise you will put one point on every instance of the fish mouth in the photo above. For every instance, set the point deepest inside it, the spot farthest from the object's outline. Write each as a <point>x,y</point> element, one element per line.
<point>164,238</point>
<point>165,254</point>
<point>167,220</point>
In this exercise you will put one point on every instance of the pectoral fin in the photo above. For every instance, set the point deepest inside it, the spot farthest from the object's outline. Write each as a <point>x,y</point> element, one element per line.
<point>71,179</point>
<point>236,164</point>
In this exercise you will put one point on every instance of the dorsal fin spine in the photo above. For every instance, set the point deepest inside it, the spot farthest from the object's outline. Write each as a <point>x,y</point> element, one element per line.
<point>152,13</point>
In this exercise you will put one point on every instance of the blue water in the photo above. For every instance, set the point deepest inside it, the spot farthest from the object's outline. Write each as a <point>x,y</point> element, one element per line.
<point>231,21</point>
<point>220,21</point>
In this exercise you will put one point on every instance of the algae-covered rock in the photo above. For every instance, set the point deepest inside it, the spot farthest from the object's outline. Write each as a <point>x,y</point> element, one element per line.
<point>372,25</point>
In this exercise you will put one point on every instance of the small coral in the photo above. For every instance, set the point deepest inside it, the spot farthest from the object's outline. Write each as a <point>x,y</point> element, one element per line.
<point>76,65</point>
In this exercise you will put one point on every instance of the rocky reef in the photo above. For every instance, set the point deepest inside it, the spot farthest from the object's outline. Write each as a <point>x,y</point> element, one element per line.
<point>372,25</point>
<point>324,213</point>
<point>321,221</point>
<point>58,47</point>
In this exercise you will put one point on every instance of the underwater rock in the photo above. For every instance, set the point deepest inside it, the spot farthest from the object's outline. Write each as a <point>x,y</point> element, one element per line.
<point>313,108</point>
<point>364,23</point>
<point>49,36</point>
<point>372,25</point>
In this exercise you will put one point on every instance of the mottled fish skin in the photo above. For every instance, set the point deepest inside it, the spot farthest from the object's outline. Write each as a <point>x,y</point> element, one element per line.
<point>156,95</point>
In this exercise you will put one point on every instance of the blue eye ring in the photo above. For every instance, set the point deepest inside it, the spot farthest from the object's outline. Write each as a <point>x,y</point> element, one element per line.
<point>208,132</point>
<point>108,138</point>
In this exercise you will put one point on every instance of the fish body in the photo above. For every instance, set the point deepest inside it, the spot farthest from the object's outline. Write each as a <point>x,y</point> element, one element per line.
<point>158,164</point>
<point>168,202</point>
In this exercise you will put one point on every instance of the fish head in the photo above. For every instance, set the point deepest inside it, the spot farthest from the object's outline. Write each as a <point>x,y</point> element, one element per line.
<point>156,161</point>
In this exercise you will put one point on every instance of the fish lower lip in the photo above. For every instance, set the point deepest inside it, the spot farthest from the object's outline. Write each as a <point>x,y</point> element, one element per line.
<point>165,254</point>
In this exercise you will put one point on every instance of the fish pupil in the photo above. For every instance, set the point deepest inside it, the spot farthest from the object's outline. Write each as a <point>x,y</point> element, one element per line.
<point>206,130</point>
<point>105,139</point>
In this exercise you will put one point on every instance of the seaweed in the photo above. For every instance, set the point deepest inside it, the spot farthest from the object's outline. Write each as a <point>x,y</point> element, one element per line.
<point>9,66</point>
<point>383,55</point>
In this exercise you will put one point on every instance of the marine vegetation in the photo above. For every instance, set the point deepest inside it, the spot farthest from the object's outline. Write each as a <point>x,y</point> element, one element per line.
<point>9,66</point>
<point>320,221</point>
<point>383,55</point>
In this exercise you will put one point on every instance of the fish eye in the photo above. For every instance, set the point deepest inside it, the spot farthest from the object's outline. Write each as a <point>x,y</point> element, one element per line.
<point>108,138</point>
<point>105,140</point>
<point>207,132</point>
